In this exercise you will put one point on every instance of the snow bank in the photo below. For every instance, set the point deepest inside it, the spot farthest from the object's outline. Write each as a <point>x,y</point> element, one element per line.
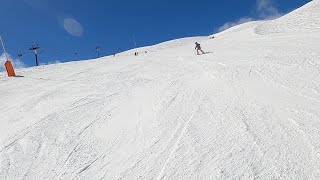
<point>248,109</point>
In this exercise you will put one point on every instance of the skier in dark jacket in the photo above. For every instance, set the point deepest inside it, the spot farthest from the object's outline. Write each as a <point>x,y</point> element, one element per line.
<point>198,48</point>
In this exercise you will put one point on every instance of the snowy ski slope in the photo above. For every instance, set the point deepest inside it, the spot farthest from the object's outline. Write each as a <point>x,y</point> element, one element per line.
<point>250,109</point>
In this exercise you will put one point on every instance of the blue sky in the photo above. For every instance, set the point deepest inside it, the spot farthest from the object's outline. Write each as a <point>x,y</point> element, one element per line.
<point>68,30</point>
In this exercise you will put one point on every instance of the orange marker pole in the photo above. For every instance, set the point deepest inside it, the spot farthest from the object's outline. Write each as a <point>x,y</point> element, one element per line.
<point>8,64</point>
<point>9,68</point>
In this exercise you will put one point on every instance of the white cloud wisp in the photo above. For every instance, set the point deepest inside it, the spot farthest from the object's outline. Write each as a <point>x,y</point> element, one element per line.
<point>267,10</point>
<point>73,27</point>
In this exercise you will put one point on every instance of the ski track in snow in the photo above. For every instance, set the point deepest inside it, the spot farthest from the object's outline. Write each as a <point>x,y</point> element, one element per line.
<point>249,109</point>
<point>175,146</point>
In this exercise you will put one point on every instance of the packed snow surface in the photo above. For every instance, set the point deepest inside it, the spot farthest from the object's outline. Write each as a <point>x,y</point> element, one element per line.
<point>249,109</point>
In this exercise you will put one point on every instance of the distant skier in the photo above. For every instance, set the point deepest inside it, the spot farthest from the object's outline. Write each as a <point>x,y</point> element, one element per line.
<point>198,48</point>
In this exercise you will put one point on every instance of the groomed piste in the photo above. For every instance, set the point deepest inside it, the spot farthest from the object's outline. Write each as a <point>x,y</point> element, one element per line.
<point>249,109</point>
